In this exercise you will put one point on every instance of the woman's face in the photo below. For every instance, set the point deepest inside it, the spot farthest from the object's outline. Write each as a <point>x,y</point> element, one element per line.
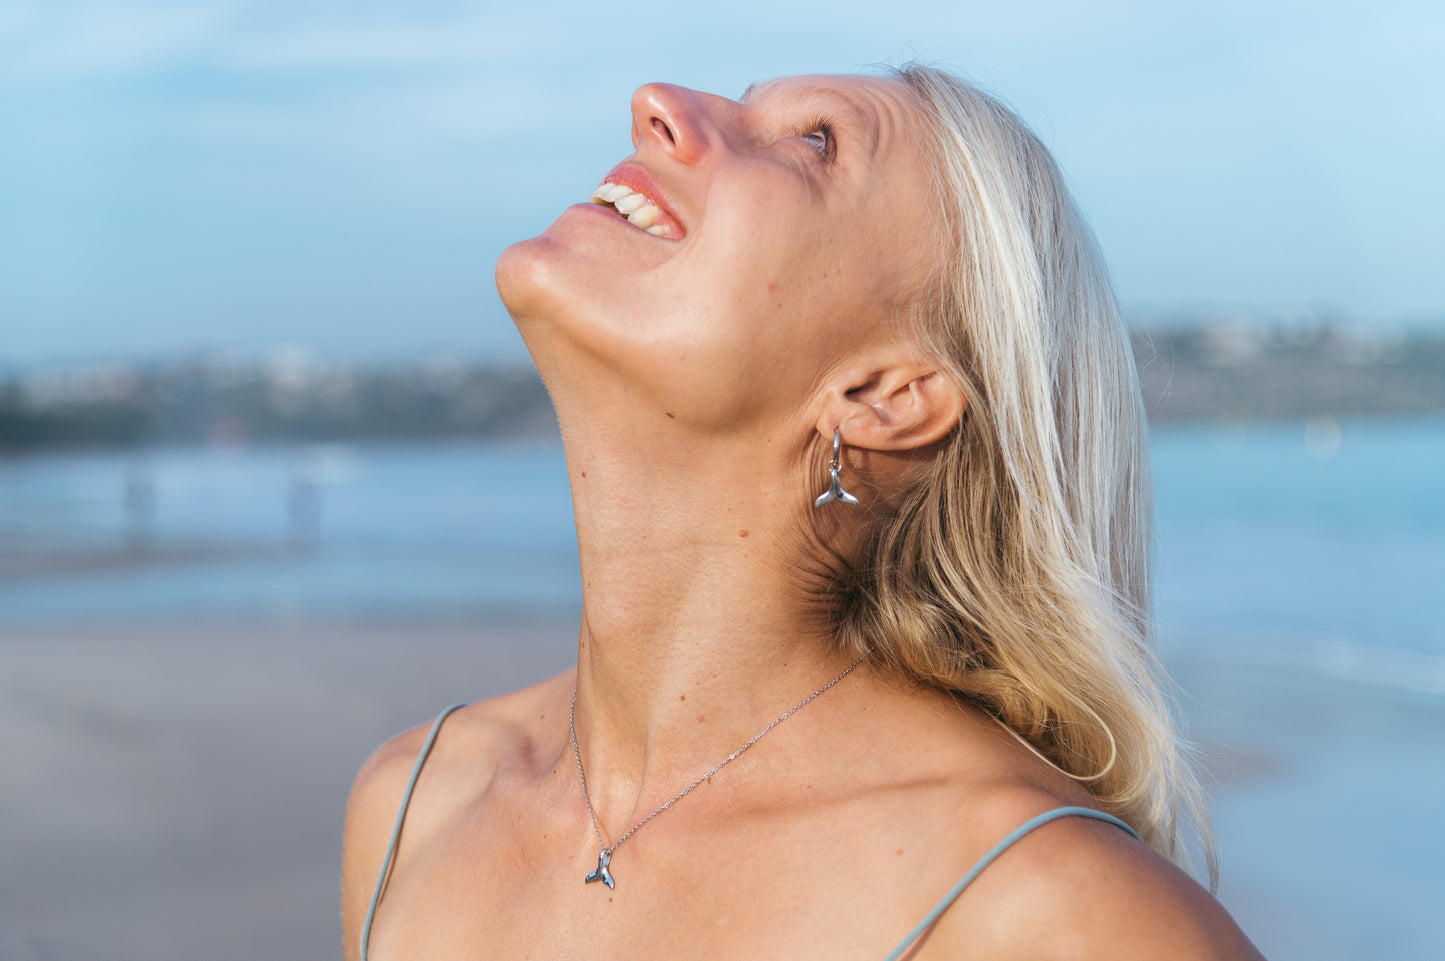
<point>794,231</point>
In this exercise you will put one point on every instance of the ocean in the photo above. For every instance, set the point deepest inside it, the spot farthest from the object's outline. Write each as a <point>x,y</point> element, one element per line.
<point>1269,542</point>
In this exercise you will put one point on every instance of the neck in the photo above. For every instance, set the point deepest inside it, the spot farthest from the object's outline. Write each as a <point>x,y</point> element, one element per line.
<point>698,627</point>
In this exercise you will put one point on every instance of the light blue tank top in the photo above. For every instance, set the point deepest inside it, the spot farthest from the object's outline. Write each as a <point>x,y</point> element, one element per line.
<point>928,919</point>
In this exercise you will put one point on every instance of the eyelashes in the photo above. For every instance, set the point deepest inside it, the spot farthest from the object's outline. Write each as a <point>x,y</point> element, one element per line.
<point>819,135</point>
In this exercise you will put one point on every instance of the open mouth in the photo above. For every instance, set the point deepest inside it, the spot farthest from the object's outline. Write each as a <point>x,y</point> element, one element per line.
<point>638,209</point>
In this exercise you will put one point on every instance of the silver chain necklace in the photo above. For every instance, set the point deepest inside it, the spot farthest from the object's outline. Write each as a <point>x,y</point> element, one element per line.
<point>603,872</point>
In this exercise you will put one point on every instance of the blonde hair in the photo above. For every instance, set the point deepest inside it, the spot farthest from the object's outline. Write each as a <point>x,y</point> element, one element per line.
<point>1014,571</point>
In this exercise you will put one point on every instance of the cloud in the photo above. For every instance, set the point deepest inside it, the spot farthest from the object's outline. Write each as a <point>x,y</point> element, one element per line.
<point>379,45</point>
<point>394,120</point>
<point>49,41</point>
<point>93,40</point>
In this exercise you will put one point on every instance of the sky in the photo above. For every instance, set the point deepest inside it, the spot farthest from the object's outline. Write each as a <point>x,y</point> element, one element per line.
<point>219,175</point>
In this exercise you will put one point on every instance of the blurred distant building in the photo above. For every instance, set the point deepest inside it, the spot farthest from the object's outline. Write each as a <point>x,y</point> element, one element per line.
<point>1291,365</point>
<point>1294,367</point>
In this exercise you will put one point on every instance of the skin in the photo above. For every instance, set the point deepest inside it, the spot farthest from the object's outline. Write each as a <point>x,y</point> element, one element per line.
<point>698,379</point>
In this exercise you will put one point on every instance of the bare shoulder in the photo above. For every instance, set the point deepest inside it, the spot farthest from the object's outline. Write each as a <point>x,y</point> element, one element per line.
<point>1073,889</point>
<point>472,742</point>
<point>1079,888</point>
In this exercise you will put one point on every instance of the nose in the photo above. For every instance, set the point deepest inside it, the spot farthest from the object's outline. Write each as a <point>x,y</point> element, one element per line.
<point>673,119</point>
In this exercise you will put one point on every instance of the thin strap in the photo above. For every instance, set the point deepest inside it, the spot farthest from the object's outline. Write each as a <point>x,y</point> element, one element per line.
<point>396,831</point>
<point>991,856</point>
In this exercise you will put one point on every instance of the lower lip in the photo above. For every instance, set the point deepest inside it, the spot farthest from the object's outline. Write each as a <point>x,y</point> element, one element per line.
<point>611,214</point>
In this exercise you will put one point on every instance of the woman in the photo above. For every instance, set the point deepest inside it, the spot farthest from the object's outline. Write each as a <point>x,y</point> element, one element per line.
<point>861,484</point>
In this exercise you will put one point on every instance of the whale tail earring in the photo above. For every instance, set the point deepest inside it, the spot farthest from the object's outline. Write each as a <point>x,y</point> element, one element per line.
<point>835,491</point>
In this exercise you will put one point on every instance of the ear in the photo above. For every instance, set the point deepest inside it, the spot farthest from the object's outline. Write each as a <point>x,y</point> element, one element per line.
<point>895,401</point>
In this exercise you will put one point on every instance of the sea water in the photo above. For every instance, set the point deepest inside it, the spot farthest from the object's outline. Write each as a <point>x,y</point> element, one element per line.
<point>391,532</point>
<point>1266,543</point>
<point>1271,546</point>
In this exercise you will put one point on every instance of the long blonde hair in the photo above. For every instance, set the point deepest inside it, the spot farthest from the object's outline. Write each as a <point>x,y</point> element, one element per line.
<point>1014,571</point>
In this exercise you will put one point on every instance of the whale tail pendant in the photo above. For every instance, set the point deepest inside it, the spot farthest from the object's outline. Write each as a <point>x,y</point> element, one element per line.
<point>835,492</point>
<point>604,858</point>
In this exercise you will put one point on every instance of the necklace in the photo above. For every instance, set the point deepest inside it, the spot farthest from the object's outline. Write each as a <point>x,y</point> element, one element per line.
<point>603,872</point>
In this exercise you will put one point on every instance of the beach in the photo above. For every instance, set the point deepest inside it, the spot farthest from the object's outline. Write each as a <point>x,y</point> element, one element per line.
<point>1325,802</point>
<point>184,704</point>
<point>177,791</point>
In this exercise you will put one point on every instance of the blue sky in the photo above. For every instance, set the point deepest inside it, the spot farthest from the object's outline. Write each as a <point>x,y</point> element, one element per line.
<point>210,175</point>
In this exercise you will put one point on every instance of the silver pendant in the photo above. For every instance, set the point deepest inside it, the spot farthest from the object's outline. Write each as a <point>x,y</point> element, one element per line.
<point>604,858</point>
<point>835,491</point>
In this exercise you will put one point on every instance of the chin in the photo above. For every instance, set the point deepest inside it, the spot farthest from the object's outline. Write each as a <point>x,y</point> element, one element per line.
<point>563,297</point>
<point>533,280</point>
<point>522,275</point>
<point>542,278</point>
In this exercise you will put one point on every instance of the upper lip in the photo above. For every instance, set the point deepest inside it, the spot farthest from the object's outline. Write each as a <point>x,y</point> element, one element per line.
<point>629,174</point>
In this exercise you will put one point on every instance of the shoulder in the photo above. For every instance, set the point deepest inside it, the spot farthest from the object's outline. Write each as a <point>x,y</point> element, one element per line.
<point>470,745</point>
<point>472,740</point>
<point>1072,889</point>
<point>1078,888</point>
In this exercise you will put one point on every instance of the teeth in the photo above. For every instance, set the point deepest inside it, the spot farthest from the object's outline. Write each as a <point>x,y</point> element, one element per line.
<point>615,192</point>
<point>637,208</point>
<point>644,216</point>
<point>626,205</point>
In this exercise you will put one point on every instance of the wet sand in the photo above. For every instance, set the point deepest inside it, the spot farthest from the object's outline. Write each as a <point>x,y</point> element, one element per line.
<point>174,793</point>
<point>1326,805</point>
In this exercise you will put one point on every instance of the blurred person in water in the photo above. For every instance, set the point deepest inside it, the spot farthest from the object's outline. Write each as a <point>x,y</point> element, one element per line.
<point>861,485</point>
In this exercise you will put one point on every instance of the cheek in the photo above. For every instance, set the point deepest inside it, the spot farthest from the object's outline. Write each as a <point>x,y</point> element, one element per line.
<point>724,359</point>
<point>735,327</point>
<point>801,294</point>
<point>824,304</point>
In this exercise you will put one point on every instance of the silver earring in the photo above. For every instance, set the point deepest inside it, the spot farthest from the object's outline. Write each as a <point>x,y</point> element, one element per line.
<point>835,491</point>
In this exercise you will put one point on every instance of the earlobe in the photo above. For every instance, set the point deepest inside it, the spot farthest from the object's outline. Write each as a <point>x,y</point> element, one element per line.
<point>895,407</point>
